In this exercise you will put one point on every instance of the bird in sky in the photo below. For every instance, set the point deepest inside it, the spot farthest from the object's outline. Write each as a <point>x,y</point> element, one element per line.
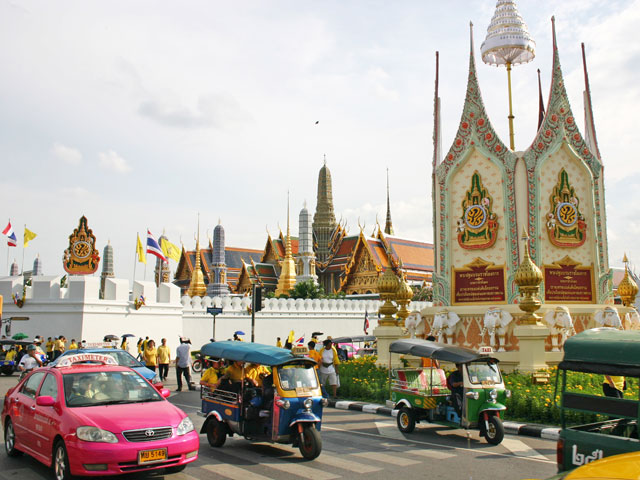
<point>317,122</point>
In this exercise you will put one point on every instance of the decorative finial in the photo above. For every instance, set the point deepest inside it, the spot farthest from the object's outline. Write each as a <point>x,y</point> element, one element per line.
<point>325,159</point>
<point>624,259</point>
<point>219,221</point>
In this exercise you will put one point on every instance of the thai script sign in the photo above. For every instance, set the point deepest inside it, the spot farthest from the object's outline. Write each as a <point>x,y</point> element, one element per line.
<point>479,282</point>
<point>567,281</point>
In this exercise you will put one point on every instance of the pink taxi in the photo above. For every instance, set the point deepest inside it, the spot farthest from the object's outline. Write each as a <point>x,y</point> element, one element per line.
<point>96,419</point>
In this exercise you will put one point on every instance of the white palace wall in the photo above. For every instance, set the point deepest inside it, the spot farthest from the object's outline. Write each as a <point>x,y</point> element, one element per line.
<point>77,312</point>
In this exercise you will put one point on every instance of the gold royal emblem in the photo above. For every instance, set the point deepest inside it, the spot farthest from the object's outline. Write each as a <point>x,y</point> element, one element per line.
<point>478,227</point>
<point>82,257</point>
<point>565,224</point>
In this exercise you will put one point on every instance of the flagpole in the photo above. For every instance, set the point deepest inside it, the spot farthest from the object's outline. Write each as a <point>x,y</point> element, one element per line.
<point>25,227</point>
<point>7,270</point>
<point>135,257</point>
<point>145,256</point>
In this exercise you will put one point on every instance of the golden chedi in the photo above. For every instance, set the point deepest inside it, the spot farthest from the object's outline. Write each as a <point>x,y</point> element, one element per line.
<point>528,278</point>
<point>387,287</point>
<point>627,289</point>
<point>404,295</point>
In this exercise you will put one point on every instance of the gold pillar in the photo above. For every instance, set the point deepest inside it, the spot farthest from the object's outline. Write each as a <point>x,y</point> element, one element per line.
<point>627,289</point>
<point>511,142</point>
<point>387,287</point>
<point>403,297</point>
<point>528,278</point>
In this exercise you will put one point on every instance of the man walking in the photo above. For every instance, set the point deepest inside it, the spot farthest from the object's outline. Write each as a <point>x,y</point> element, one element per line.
<point>164,357</point>
<point>329,366</point>
<point>183,363</point>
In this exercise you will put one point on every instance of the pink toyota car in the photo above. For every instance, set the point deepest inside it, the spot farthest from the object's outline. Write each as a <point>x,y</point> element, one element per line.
<point>96,419</point>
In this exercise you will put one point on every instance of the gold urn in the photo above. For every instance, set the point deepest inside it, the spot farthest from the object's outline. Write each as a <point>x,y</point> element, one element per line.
<point>627,289</point>
<point>387,287</point>
<point>403,297</point>
<point>528,278</point>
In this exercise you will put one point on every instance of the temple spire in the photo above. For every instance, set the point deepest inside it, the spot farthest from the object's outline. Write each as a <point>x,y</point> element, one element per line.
<point>589,125</point>
<point>287,279</point>
<point>197,286</point>
<point>324,220</point>
<point>388,226</point>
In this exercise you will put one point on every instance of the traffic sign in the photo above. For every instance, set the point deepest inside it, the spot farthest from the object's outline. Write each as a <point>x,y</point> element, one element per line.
<point>214,310</point>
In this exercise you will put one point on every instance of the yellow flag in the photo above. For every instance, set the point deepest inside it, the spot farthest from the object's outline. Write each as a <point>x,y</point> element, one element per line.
<point>28,236</point>
<point>170,250</point>
<point>291,335</point>
<point>142,257</point>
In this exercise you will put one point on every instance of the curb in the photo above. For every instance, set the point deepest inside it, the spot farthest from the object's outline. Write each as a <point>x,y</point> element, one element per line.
<point>514,428</point>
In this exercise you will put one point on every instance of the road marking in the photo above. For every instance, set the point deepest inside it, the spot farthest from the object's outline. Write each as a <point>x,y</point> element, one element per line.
<point>521,449</point>
<point>420,442</point>
<point>383,457</point>
<point>437,454</point>
<point>282,465</point>
<point>390,430</point>
<point>233,472</point>
<point>332,460</point>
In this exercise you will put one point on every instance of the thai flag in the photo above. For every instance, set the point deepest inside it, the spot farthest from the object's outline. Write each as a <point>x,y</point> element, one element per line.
<point>300,341</point>
<point>12,240</point>
<point>153,248</point>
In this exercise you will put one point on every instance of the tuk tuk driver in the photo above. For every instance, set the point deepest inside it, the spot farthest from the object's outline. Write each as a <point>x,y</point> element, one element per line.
<point>456,385</point>
<point>329,366</point>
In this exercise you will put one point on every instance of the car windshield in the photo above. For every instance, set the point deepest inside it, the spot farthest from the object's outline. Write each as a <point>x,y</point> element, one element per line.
<point>297,376</point>
<point>107,388</point>
<point>485,373</point>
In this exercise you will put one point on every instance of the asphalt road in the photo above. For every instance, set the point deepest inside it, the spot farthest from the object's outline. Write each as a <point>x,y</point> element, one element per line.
<point>356,445</point>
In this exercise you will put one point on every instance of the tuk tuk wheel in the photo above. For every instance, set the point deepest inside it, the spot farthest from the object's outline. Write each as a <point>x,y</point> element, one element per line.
<point>495,433</point>
<point>406,420</point>
<point>311,443</point>
<point>7,370</point>
<point>216,433</point>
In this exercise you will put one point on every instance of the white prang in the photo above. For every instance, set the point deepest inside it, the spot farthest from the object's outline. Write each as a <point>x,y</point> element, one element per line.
<point>415,325</point>
<point>496,320</point>
<point>608,317</point>
<point>560,323</point>
<point>632,320</point>
<point>444,323</point>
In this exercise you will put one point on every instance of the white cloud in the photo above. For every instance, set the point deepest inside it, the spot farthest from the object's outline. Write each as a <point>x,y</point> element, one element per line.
<point>68,155</point>
<point>112,161</point>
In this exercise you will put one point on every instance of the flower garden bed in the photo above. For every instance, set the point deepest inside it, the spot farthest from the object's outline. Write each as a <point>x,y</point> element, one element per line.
<point>362,380</point>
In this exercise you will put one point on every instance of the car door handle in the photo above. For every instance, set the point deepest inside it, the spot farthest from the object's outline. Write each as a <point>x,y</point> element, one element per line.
<point>33,407</point>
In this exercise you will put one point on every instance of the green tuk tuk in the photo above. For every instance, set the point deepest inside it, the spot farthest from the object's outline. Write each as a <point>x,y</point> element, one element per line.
<point>604,351</point>
<point>426,395</point>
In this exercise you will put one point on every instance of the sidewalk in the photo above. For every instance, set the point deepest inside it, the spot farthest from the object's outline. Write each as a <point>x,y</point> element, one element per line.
<point>514,428</point>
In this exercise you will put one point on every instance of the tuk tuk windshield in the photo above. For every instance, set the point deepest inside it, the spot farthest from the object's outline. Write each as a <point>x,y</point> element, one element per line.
<point>297,376</point>
<point>484,372</point>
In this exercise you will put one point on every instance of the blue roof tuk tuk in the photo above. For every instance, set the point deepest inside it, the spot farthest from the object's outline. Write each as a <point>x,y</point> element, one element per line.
<point>287,408</point>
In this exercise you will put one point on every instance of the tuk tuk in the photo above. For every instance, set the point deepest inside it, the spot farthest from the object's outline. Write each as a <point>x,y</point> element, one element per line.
<point>287,409</point>
<point>426,395</point>
<point>603,351</point>
<point>354,346</point>
<point>8,367</point>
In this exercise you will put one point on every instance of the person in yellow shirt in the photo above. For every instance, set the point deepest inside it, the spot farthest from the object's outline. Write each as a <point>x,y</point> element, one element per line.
<point>73,345</point>
<point>11,355</point>
<point>255,374</point>
<point>58,346</point>
<point>151,355</point>
<point>139,346</point>
<point>164,358</point>
<point>278,343</point>
<point>49,347</point>
<point>234,372</point>
<point>613,386</point>
<point>314,354</point>
<point>211,376</point>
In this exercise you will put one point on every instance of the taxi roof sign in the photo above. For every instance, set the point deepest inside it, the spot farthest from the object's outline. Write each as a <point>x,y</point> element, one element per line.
<point>300,350</point>
<point>485,350</point>
<point>99,345</point>
<point>69,360</point>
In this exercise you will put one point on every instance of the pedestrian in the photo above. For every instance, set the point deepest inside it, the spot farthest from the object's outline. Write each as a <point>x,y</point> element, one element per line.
<point>49,347</point>
<point>237,336</point>
<point>278,343</point>
<point>30,361</point>
<point>613,386</point>
<point>58,346</point>
<point>144,344</point>
<point>151,355</point>
<point>183,363</point>
<point>164,358</point>
<point>329,367</point>
<point>124,345</point>
<point>139,347</point>
<point>314,354</point>
<point>73,345</point>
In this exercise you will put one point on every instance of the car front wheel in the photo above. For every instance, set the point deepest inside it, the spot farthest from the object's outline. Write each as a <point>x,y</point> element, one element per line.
<point>10,440</point>
<point>61,468</point>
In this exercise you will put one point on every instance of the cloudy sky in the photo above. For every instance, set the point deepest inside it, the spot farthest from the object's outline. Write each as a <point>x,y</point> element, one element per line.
<point>142,114</point>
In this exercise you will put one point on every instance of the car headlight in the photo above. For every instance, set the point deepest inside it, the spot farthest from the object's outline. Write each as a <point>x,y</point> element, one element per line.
<point>156,379</point>
<point>186,425</point>
<point>308,403</point>
<point>283,403</point>
<point>95,434</point>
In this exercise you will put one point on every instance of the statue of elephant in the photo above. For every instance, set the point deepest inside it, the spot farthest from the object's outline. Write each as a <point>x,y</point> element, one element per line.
<point>559,322</point>
<point>496,320</point>
<point>415,325</point>
<point>608,318</point>
<point>633,319</point>
<point>444,323</point>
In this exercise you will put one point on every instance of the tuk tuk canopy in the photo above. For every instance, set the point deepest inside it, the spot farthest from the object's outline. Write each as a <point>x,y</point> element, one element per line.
<point>253,353</point>
<point>354,339</point>
<point>438,351</point>
<point>604,351</point>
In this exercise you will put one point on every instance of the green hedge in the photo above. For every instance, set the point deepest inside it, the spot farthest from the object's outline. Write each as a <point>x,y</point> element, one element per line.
<point>362,380</point>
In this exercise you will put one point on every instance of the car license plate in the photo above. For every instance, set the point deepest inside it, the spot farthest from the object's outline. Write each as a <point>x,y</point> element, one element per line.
<point>152,456</point>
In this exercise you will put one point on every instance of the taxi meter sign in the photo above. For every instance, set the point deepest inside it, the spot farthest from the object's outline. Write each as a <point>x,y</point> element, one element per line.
<point>87,358</point>
<point>485,350</point>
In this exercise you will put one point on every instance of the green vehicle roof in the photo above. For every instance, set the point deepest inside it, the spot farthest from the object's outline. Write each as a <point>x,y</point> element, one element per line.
<point>603,350</point>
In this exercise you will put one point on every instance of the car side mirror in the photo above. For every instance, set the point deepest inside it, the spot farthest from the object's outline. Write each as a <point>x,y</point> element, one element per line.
<point>45,401</point>
<point>165,392</point>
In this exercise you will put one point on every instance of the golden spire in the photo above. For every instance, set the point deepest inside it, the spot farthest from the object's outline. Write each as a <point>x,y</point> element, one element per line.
<point>627,289</point>
<point>388,226</point>
<point>287,279</point>
<point>528,278</point>
<point>197,286</point>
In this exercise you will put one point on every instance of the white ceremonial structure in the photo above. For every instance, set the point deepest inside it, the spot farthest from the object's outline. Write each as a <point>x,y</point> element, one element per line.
<point>77,311</point>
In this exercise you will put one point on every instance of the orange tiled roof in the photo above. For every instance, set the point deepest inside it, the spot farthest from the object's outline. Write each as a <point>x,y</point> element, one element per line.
<point>414,255</point>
